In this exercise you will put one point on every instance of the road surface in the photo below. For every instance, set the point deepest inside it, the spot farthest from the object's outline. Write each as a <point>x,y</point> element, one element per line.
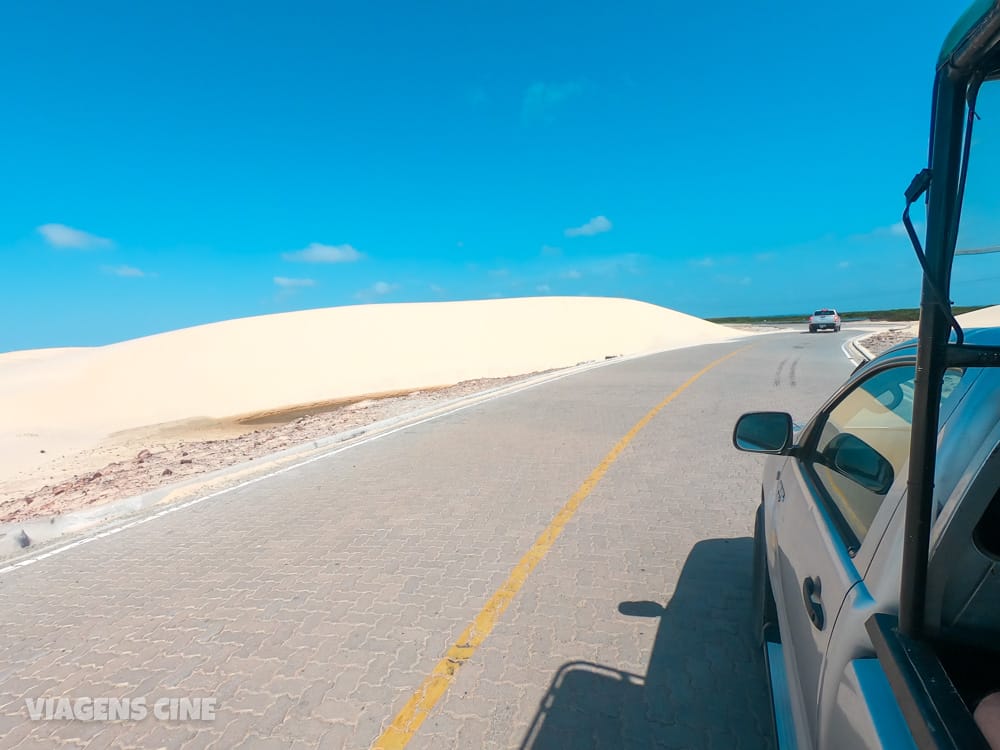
<point>332,605</point>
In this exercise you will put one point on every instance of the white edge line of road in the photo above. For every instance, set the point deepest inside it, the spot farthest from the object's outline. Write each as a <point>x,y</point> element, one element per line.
<point>862,352</point>
<point>845,349</point>
<point>458,405</point>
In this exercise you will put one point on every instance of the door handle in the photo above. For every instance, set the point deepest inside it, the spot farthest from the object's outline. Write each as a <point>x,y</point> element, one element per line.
<point>811,589</point>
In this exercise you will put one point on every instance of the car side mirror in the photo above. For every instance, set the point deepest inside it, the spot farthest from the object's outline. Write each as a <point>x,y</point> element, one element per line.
<point>855,459</point>
<point>764,432</point>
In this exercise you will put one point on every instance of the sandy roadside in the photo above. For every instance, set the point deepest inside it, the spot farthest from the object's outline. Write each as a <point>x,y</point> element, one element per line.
<point>140,460</point>
<point>76,431</point>
<point>877,343</point>
<point>882,341</point>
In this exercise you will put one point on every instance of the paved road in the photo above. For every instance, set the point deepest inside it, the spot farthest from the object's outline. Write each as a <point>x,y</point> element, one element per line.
<point>312,605</point>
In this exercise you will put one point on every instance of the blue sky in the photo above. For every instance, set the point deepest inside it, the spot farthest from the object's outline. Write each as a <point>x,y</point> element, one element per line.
<point>170,164</point>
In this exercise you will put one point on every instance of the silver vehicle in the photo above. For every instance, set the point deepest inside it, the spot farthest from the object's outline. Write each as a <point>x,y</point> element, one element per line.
<point>828,543</point>
<point>824,319</point>
<point>877,541</point>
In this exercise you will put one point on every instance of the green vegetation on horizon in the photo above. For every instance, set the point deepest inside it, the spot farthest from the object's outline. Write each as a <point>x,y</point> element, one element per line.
<point>905,314</point>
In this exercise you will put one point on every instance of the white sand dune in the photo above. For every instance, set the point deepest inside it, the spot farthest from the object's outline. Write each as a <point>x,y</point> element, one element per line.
<point>985,318</point>
<point>60,401</point>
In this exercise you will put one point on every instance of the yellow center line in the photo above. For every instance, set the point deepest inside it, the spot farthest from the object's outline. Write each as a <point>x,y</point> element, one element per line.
<point>408,720</point>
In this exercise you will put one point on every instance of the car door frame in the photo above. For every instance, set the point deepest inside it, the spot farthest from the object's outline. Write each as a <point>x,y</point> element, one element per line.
<point>864,553</point>
<point>858,552</point>
<point>847,557</point>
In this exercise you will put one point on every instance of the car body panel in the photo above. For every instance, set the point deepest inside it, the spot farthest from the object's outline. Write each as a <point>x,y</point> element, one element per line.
<point>829,672</point>
<point>867,715</point>
<point>784,715</point>
<point>809,550</point>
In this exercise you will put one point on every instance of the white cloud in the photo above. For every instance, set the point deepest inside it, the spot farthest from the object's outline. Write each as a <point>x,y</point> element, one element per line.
<point>318,253</point>
<point>893,230</point>
<point>499,273</point>
<point>128,272</point>
<point>703,262</point>
<point>765,257</point>
<point>571,274</point>
<point>614,265</point>
<point>542,99</point>
<point>437,289</point>
<point>62,236</point>
<point>597,225</point>
<point>550,251</point>
<point>844,264</point>
<point>378,289</point>
<point>286,283</point>
<point>543,288</point>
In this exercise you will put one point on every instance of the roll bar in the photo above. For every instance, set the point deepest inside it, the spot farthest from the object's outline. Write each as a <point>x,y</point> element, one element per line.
<point>969,56</point>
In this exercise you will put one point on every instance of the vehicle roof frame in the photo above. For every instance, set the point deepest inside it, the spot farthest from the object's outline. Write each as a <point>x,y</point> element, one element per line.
<point>974,56</point>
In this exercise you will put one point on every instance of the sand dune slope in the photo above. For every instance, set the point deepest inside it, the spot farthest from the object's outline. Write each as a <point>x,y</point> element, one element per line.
<point>75,397</point>
<point>984,318</point>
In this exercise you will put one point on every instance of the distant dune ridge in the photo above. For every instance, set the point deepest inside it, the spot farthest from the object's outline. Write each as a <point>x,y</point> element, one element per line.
<point>60,400</point>
<point>987,317</point>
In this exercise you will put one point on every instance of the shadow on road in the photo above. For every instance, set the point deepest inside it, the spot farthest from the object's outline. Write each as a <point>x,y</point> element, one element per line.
<point>704,687</point>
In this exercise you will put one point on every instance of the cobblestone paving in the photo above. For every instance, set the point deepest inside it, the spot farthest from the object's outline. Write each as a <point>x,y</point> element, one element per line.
<point>311,605</point>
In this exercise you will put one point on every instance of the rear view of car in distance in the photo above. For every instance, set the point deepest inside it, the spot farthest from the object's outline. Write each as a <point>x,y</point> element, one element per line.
<point>824,319</point>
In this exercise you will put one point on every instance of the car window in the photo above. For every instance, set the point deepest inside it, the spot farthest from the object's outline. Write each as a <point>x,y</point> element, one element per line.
<point>864,444</point>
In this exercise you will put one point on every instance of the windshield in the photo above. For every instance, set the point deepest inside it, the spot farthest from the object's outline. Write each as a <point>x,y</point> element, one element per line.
<point>977,254</point>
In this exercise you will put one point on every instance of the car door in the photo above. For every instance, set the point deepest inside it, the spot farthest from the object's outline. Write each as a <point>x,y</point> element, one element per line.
<point>851,457</point>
